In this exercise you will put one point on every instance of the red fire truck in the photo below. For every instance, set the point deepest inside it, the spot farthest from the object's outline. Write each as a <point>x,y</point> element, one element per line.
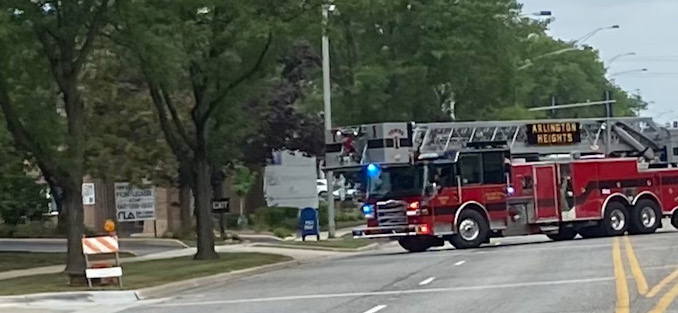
<point>467,182</point>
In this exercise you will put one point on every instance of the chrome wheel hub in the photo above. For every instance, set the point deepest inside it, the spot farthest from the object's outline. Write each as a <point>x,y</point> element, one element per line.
<point>617,220</point>
<point>469,229</point>
<point>648,217</point>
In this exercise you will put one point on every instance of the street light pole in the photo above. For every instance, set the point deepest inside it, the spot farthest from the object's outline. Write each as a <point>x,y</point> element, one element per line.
<point>628,72</point>
<point>557,52</point>
<point>595,31</point>
<point>327,100</point>
<point>616,57</point>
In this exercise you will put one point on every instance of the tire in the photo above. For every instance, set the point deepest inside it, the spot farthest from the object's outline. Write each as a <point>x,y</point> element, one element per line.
<point>473,230</point>
<point>674,220</point>
<point>616,220</point>
<point>591,232</point>
<point>563,234</point>
<point>645,217</point>
<point>415,243</point>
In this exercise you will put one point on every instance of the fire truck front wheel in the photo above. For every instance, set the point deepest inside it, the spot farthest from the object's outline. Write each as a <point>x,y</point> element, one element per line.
<point>472,230</point>
<point>416,243</point>
<point>645,217</point>
<point>616,220</point>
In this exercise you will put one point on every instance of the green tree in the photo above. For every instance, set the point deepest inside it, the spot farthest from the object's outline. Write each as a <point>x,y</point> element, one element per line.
<point>243,179</point>
<point>20,193</point>
<point>423,61</point>
<point>197,59</point>
<point>45,45</point>
<point>125,142</point>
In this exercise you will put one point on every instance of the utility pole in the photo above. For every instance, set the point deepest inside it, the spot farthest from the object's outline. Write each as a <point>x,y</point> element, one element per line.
<point>327,99</point>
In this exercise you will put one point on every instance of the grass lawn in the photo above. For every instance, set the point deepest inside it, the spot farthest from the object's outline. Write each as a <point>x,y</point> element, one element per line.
<point>18,260</point>
<point>146,274</point>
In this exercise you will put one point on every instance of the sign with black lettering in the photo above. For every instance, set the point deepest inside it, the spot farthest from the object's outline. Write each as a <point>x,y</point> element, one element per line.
<point>134,203</point>
<point>547,134</point>
<point>221,205</point>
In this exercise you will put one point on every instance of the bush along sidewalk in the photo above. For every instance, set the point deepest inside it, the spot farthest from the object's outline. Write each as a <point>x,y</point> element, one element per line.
<point>284,222</point>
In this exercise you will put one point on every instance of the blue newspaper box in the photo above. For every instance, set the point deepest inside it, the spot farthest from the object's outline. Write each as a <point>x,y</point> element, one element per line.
<point>308,223</point>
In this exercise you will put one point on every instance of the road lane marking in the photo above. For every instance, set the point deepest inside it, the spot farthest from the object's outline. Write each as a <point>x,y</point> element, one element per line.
<point>426,281</point>
<point>620,279</point>
<point>459,263</point>
<point>390,292</point>
<point>637,272</point>
<point>376,309</point>
<point>666,300</point>
<point>657,288</point>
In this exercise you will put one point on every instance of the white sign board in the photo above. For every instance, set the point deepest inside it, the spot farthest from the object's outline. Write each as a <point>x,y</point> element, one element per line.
<point>103,272</point>
<point>134,204</point>
<point>88,194</point>
<point>292,183</point>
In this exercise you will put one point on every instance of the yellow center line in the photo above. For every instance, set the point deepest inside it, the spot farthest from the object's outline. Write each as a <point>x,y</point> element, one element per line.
<point>666,300</point>
<point>620,279</point>
<point>656,289</point>
<point>637,272</point>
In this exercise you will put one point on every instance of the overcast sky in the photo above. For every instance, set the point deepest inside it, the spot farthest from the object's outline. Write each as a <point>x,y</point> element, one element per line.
<point>647,27</point>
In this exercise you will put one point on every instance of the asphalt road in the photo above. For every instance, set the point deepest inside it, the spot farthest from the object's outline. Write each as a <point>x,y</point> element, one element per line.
<point>519,274</point>
<point>138,247</point>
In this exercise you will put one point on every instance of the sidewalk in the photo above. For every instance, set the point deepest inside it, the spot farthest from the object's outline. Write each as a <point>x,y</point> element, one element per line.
<point>297,254</point>
<point>254,237</point>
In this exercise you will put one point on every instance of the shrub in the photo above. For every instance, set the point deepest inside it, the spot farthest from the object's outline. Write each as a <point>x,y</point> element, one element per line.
<point>6,230</point>
<point>34,229</point>
<point>282,232</point>
<point>270,218</point>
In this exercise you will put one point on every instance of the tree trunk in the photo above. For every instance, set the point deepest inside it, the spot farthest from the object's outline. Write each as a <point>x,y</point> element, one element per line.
<point>255,197</point>
<point>203,207</point>
<point>72,200</point>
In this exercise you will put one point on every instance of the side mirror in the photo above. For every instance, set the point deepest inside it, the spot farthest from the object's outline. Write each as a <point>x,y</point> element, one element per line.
<point>431,190</point>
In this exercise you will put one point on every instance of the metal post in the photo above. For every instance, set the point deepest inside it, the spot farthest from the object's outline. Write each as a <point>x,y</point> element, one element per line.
<point>553,104</point>
<point>608,123</point>
<point>328,116</point>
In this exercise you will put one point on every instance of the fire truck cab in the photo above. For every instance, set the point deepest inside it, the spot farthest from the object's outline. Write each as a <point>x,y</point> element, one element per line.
<point>426,184</point>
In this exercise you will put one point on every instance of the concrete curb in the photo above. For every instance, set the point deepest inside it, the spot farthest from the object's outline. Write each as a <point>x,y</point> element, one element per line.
<point>179,286</point>
<point>371,246</point>
<point>162,241</point>
<point>121,296</point>
<point>35,239</point>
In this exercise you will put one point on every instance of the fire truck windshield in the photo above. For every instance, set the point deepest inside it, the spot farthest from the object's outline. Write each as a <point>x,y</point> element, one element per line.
<point>397,182</point>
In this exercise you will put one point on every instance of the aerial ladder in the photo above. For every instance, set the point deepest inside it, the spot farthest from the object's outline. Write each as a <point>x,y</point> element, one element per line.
<point>401,142</point>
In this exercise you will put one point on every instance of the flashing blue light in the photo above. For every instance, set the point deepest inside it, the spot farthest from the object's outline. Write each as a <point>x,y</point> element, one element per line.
<point>372,170</point>
<point>510,190</point>
<point>367,209</point>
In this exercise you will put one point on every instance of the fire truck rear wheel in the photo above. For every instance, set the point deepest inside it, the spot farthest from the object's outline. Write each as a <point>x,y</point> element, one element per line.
<point>616,220</point>
<point>645,217</point>
<point>416,243</point>
<point>472,230</point>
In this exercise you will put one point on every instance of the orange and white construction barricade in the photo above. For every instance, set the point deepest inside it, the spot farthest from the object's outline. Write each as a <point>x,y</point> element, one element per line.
<point>101,245</point>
